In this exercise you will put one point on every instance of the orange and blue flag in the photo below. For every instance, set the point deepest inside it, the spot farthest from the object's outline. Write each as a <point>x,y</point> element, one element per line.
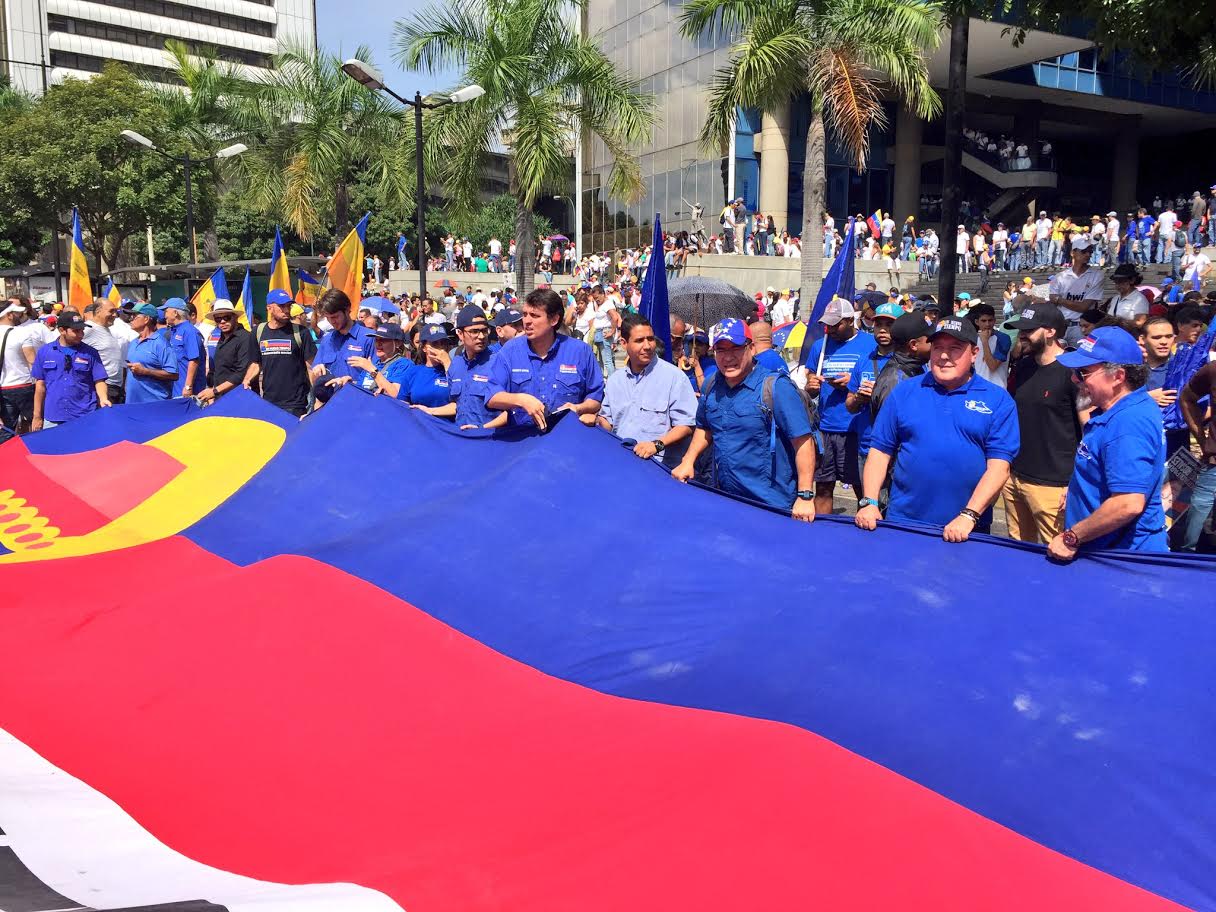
<point>214,289</point>
<point>244,304</point>
<point>111,293</point>
<point>80,288</point>
<point>309,291</point>
<point>280,278</point>
<point>346,265</point>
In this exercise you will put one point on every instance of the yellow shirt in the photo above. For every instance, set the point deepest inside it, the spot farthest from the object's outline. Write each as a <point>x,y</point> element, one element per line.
<point>1058,228</point>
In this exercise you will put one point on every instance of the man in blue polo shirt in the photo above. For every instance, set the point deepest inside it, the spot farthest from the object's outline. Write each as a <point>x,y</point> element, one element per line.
<point>541,372</point>
<point>841,349</point>
<point>469,372</point>
<point>1114,495</point>
<point>346,339</point>
<point>188,347</point>
<point>508,323</point>
<point>761,453</point>
<point>69,377</point>
<point>952,436</point>
<point>866,371</point>
<point>152,368</point>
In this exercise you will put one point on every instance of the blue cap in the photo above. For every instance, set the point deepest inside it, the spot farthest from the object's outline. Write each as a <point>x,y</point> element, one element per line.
<point>964,296</point>
<point>278,296</point>
<point>507,316</point>
<point>145,310</point>
<point>1167,281</point>
<point>391,331</point>
<point>730,330</point>
<point>1105,344</point>
<point>889,310</point>
<point>433,333</point>
<point>470,314</point>
<point>160,315</point>
<point>175,303</point>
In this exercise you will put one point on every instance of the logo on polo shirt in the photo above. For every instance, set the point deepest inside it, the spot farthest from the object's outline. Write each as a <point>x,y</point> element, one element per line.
<point>568,369</point>
<point>354,348</point>
<point>1083,451</point>
<point>976,405</point>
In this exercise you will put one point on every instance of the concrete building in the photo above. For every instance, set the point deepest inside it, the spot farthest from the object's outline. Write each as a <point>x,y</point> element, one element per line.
<point>1115,137</point>
<point>46,41</point>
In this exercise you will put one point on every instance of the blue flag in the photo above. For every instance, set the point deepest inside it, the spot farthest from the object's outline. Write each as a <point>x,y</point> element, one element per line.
<point>654,292</point>
<point>1182,367</point>
<point>839,281</point>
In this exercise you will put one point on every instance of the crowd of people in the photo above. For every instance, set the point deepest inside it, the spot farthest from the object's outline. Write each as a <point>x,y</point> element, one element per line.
<point>1064,406</point>
<point>1008,153</point>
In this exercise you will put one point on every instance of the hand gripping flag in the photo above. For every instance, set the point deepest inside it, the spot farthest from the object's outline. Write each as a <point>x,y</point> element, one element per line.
<point>80,288</point>
<point>346,265</point>
<point>214,289</point>
<point>111,293</point>
<point>309,290</point>
<point>244,304</point>
<point>280,278</point>
<point>654,306</point>
<point>839,282</point>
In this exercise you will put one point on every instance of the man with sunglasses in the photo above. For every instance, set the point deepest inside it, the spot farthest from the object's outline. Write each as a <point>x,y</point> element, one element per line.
<point>152,367</point>
<point>1114,495</point>
<point>226,369</point>
<point>69,377</point>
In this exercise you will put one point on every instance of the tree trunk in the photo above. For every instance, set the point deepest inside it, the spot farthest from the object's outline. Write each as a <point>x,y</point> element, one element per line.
<point>952,164</point>
<point>211,246</point>
<point>341,212</point>
<point>814,201</point>
<point>525,237</point>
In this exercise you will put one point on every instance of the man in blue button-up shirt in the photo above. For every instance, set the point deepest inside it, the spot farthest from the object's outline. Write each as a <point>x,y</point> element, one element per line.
<point>69,378</point>
<point>469,373</point>
<point>650,401</point>
<point>345,340</point>
<point>541,372</point>
<point>951,436</point>
<point>763,454</point>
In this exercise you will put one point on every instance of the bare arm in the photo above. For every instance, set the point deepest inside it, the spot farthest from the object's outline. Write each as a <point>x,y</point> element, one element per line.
<point>39,402</point>
<point>1114,513</point>
<point>872,477</point>
<point>1192,413</point>
<point>701,439</point>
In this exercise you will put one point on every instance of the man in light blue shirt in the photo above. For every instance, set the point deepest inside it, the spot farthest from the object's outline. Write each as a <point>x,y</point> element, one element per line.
<point>650,401</point>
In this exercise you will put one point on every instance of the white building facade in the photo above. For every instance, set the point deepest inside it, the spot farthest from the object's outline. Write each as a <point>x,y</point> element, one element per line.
<point>47,41</point>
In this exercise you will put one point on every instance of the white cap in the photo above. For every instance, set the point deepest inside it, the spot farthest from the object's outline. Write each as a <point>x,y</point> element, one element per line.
<point>771,289</point>
<point>1112,215</point>
<point>12,309</point>
<point>1081,242</point>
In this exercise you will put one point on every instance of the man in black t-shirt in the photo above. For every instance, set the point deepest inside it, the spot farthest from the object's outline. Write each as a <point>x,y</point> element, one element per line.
<point>281,355</point>
<point>1049,420</point>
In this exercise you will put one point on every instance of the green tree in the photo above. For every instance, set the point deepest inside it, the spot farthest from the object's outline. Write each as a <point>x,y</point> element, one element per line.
<point>544,85</point>
<point>494,219</point>
<point>65,150</point>
<point>841,53</point>
<point>313,132</point>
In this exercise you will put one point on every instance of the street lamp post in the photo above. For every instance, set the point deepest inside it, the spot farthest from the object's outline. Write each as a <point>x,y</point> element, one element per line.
<point>367,75</point>
<point>187,162</point>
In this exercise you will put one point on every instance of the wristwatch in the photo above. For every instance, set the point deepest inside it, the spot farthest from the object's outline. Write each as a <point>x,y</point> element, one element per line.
<point>806,495</point>
<point>1069,537</point>
<point>659,446</point>
<point>867,502</point>
<point>970,514</point>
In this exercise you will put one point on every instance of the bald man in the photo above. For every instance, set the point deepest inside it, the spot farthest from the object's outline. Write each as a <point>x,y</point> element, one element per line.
<point>766,356</point>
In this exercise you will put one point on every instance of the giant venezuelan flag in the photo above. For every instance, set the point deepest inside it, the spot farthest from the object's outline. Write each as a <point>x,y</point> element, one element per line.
<point>80,288</point>
<point>345,269</point>
<point>314,717</point>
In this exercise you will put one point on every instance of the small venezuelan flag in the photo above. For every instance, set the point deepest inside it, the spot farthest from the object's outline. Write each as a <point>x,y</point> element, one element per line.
<point>80,289</point>
<point>309,291</point>
<point>111,293</point>
<point>214,289</point>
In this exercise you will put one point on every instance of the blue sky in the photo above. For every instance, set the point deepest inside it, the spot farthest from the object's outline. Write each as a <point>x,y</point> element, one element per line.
<point>343,25</point>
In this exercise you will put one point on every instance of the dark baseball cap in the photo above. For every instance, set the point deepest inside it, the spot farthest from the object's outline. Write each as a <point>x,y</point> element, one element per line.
<point>69,319</point>
<point>908,327</point>
<point>469,315</point>
<point>392,331</point>
<point>507,316</point>
<point>956,328</point>
<point>433,333</point>
<point>1037,315</point>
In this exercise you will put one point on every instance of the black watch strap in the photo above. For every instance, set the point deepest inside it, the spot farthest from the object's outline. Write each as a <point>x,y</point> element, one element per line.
<point>659,446</point>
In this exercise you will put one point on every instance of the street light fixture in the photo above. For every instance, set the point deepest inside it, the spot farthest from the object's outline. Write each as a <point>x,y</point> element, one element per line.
<point>368,76</point>
<point>187,162</point>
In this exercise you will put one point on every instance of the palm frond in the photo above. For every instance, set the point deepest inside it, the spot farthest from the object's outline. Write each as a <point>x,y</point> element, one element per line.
<point>851,101</point>
<point>719,19</point>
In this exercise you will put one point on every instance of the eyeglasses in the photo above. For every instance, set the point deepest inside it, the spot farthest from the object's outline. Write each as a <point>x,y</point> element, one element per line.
<point>476,330</point>
<point>1084,373</point>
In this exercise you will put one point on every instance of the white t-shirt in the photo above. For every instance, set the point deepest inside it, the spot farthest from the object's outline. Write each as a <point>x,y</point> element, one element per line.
<point>1112,230</point>
<point>1000,376</point>
<point>14,369</point>
<point>547,248</point>
<point>1072,287</point>
<point>1000,238</point>
<point>1166,222</point>
<point>603,322</point>
<point>468,250</point>
<point>1130,307</point>
<point>963,240</point>
<point>495,247</point>
<point>584,321</point>
<point>1042,229</point>
<point>783,311</point>
<point>111,347</point>
<point>1193,264</point>
<point>887,228</point>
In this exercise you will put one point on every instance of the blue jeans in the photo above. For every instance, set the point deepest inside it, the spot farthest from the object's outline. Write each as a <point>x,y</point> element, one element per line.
<point>1176,264</point>
<point>1041,247</point>
<point>603,350</point>
<point>1054,251</point>
<point>1142,253</point>
<point>1212,231</point>
<point>1202,499</point>
<point>762,244</point>
<point>1192,230</point>
<point>905,248</point>
<point>449,264</point>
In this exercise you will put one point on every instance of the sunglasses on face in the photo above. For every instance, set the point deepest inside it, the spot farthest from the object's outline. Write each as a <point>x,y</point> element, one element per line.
<point>1084,373</point>
<point>224,318</point>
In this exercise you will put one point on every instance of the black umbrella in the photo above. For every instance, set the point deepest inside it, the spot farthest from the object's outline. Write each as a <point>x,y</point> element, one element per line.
<point>874,298</point>
<point>703,302</point>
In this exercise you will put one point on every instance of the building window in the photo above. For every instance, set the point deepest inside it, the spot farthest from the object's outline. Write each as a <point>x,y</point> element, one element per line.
<point>122,35</point>
<point>91,64</point>
<point>195,14</point>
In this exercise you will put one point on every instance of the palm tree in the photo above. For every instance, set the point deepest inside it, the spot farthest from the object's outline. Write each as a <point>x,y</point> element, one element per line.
<point>311,131</point>
<point>840,52</point>
<point>544,84</point>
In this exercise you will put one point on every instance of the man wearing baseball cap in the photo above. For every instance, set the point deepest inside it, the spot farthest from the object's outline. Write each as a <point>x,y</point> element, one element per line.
<point>1049,424</point>
<point>469,372</point>
<point>834,356</point>
<point>865,372</point>
<point>188,346</point>
<point>1077,288</point>
<point>1114,495</point>
<point>508,323</point>
<point>280,357</point>
<point>909,355</point>
<point>152,367</point>
<point>757,423</point>
<point>69,376</point>
<point>20,339</point>
<point>951,436</point>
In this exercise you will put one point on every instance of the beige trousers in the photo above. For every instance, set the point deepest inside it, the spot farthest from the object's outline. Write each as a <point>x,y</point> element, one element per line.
<point>1032,511</point>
